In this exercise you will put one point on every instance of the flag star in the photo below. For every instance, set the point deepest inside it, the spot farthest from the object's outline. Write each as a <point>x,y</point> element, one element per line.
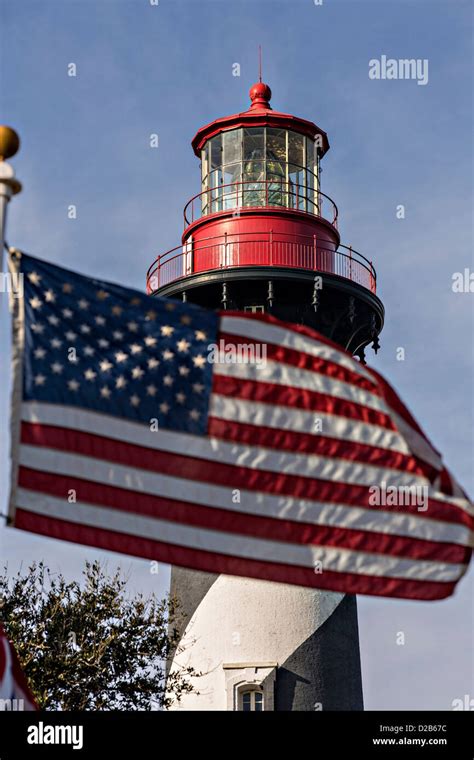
<point>89,374</point>
<point>134,400</point>
<point>194,414</point>
<point>120,382</point>
<point>57,368</point>
<point>56,343</point>
<point>135,348</point>
<point>116,310</point>
<point>67,313</point>
<point>152,363</point>
<point>151,390</point>
<point>184,371</point>
<point>168,380</point>
<point>53,320</point>
<point>73,359</point>
<point>49,296</point>
<point>73,385</point>
<point>40,353</point>
<point>183,345</point>
<point>137,372</point>
<point>199,361</point>
<point>117,334</point>
<point>167,354</point>
<point>167,330</point>
<point>40,379</point>
<point>89,351</point>
<point>135,302</point>
<point>35,302</point>
<point>105,392</point>
<point>151,315</point>
<point>85,329</point>
<point>180,398</point>
<point>37,327</point>
<point>170,306</point>
<point>185,320</point>
<point>164,407</point>
<point>198,387</point>
<point>103,343</point>
<point>70,335</point>
<point>67,288</point>
<point>121,356</point>
<point>200,335</point>
<point>105,365</point>
<point>102,295</point>
<point>34,277</point>
<point>83,304</point>
<point>149,341</point>
<point>99,320</point>
<point>132,326</point>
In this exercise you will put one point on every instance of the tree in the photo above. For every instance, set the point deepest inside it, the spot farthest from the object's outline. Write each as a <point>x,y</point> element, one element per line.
<point>90,646</point>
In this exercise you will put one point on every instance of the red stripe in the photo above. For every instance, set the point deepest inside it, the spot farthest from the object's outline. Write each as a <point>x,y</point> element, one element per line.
<point>298,398</point>
<point>294,358</point>
<point>196,559</point>
<point>240,523</point>
<point>231,476</point>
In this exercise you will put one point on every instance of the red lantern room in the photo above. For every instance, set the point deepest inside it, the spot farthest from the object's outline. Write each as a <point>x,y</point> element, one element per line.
<point>262,236</point>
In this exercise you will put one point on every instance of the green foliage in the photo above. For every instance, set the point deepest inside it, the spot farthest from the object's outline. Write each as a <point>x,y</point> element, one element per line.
<point>89,646</point>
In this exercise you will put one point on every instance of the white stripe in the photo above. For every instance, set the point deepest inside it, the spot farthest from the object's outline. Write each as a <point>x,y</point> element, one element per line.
<point>337,560</point>
<point>303,421</point>
<point>266,332</point>
<point>251,502</point>
<point>215,450</point>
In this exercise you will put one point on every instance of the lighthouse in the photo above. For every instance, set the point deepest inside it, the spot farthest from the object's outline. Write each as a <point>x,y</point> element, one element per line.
<point>262,236</point>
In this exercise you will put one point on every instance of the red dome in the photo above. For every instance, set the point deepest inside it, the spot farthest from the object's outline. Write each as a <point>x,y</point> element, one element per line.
<point>260,95</point>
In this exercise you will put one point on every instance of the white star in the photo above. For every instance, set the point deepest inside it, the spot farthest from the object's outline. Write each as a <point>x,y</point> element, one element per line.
<point>105,392</point>
<point>103,343</point>
<point>53,320</point>
<point>184,371</point>
<point>56,343</point>
<point>49,296</point>
<point>164,407</point>
<point>198,387</point>
<point>89,374</point>
<point>67,287</point>
<point>37,327</point>
<point>121,357</point>
<point>89,351</point>
<point>83,304</point>
<point>99,320</point>
<point>149,341</point>
<point>167,330</point>
<point>167,354</point>
<point>40,353</point>
<point>105,365</point>
<point>36,303</point>
<point>117,334</point>
<point>151,390</point>
<point>199,361</point>
<point>134,400</point>
<point>67,313</point>
<point>194,414</point>
<point>137,372</point>
<point>200,335</point>
<point>183,345</point>
<point>135,348</point>
<point>168,380</point>
<point>34,277</point>
<point>152,363</point>
<point>40,380</point>
<point>120,382</point>
<point>85,329</point>
<point>180,398</point>
<point>57,368</point>
<point>73,385</point>
<point>70,335</point>
<point>132,326</point>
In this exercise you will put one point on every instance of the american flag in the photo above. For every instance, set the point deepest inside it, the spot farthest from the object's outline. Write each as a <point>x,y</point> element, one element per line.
<point>284,460</point>
<point>14,690</point>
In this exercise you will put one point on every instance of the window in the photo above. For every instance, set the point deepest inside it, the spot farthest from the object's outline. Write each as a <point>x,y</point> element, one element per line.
<point>255,309</point>
<point>252,701</point>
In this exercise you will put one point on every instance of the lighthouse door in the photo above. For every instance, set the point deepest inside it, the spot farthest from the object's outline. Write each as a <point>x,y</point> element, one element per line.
<point>188,256</point>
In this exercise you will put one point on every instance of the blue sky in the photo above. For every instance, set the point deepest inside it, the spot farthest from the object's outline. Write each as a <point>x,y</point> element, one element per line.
<point>167,69</point>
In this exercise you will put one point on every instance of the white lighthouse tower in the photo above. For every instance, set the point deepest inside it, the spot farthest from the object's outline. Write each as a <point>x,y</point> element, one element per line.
<point>255,238</point>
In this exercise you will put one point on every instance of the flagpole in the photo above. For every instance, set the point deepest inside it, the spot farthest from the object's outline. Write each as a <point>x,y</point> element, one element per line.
<point>9,185</point>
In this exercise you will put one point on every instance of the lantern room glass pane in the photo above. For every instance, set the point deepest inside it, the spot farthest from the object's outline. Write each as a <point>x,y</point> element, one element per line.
<point>295,148</point>
<point>232,146</point>
<point>254,144</point>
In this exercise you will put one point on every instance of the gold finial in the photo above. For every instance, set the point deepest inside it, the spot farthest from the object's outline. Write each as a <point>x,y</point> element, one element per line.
<point>9,142</point>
